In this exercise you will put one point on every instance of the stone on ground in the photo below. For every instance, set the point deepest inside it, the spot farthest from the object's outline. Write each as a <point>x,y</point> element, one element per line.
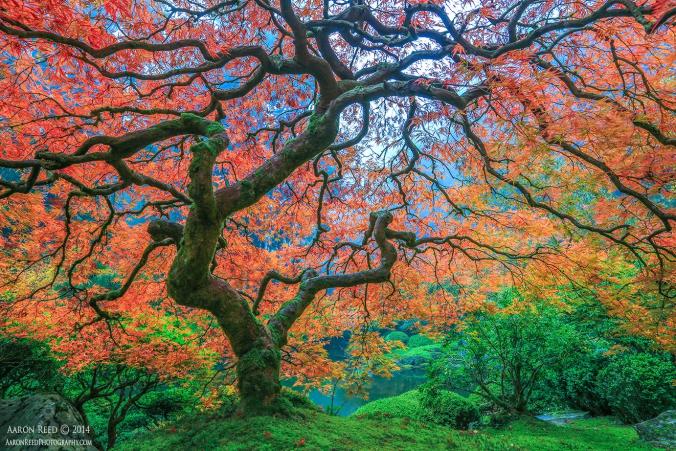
<point>659,431</point>
<point>42,422</point>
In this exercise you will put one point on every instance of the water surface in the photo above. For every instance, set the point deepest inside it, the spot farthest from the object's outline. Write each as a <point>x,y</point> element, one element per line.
<point>345,404</point>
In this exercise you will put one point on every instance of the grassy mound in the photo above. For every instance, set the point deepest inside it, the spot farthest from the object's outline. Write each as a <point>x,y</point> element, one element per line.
<point>436,406</point>
<point>406,405</point>
<point>313,430</point>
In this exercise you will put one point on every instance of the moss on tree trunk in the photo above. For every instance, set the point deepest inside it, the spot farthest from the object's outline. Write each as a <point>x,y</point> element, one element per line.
<point>258,379</point>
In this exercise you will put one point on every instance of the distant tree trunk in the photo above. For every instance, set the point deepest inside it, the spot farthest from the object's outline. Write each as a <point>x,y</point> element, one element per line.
<point>79,406</point>
<point>112,435</point>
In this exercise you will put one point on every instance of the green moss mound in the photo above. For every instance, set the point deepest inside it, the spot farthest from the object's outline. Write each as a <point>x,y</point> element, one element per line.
<point>436,406</point>
<point>406,405</point>
<point>317,431</point>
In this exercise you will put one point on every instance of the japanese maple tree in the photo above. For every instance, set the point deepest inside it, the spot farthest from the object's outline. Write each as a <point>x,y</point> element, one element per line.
<point>296,169</point>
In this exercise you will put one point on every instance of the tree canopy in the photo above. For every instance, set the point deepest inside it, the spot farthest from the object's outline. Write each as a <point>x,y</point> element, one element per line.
<point>285,171</point>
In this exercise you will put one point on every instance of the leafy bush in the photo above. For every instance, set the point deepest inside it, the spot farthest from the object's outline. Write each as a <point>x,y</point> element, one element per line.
<point>406,405</point>
<point>505,357</point>
<point>638,386</point>
<point>420,356</point>
<point>419,340</point>
<point>447,407</point>
<point>397,336</point>
<point>578,387</point>
<point>26,366</point>
<point>165,403</point>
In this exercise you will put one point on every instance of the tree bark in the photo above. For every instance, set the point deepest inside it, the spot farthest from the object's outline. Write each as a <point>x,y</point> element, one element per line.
<point>112,436</point>
<point>258,378</point>
<point>191,283</point>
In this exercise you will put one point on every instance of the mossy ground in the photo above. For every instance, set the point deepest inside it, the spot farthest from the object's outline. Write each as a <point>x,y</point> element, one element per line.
<point>314,430</point>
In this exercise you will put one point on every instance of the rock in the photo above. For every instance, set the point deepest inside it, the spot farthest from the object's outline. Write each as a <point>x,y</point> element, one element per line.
<point>42,422</point>
<point>659,431</point>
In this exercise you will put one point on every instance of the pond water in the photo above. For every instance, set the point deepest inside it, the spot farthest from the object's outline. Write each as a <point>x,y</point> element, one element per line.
<point>561,418</point>
<point>345,404</point>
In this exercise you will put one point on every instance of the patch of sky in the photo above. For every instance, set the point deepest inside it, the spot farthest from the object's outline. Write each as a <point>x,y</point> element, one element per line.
<point>10,175</point>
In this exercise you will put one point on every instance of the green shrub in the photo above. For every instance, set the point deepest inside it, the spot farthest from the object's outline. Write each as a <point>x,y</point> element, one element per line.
<point>27,366</point>
<point>484,405</point>
<point>397,336</point>
<point>578,384</point>
<point>420,356</point>
<point>419,340</point>
<point>163,403</point>
<point>447,407</point>
<point>406,405</point>
<point>638,386</point>
<point>516,349</point>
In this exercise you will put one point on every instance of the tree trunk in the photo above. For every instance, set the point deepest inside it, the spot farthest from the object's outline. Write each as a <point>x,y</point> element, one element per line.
<point>79,406</point>
<point>112,437</point>
<point>258,379</point>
